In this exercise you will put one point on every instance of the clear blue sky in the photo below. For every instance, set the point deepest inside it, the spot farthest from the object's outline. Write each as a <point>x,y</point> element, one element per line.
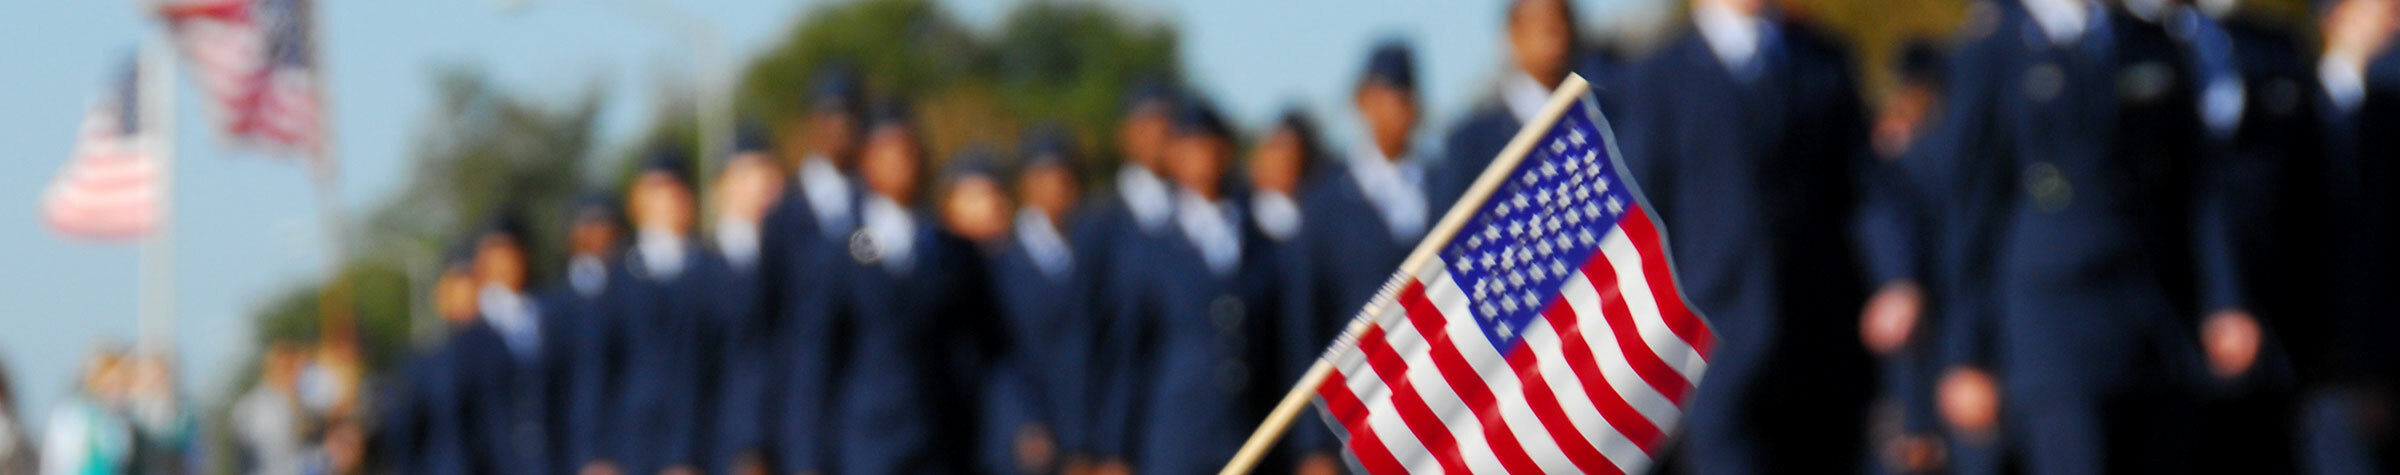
<point>247,226</point>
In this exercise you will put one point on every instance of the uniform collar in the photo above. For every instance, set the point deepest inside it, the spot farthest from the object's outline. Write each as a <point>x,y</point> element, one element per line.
<point>1733,36</point>
<point>1394,187</point>
<point>1146,196</point>
<point>513,316</point>
<point>1212,228</point>
<point>1276,214</point>
<point>891,229</point>
<point>661,253</point>
<point>1524,96</point>
<point>2062,21</point>
<point>737,239</point>
<point>828,193</point>
<point>1041,240</point>
<point>587,274</point>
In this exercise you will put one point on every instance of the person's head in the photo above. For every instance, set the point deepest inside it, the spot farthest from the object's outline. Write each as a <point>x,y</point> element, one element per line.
<point>974,204</point>
<point>1749,7</point>
<point>1048,181</point>
<point>1281,160</point>
<point>104,372</point>
<point>1387,97</point>
<point>280,367</point>
<point>831,126</point>
<point>750,180</point>
<point>1149,117</point>
<point>1198,150</point>
<point>1541,36</point>
<point>592,229</point>
<point>893,160</point>
<point>454,290</point>
<point>661,196</point>
<point>1922,79</point>
<point>500,253</point>
<point>2356,31</point>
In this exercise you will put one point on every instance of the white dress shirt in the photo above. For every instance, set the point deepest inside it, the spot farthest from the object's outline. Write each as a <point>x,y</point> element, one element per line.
<point>891,229</point>
<point>828,195</point>
<point>1042,241</point>
<point>1394,187</point>
<point>1212,228</point>
<point>1146,196</point>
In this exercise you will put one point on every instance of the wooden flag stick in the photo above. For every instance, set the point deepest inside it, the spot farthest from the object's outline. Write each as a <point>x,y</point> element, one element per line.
<point>1569,94</point>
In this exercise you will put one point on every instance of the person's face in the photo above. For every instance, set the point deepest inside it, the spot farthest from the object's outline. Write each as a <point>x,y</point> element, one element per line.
<point>1541,35</point>
<point>890,164</point>
<point>1275,164</point>
<point>500,261</point>
<point>976,208</point>
<point>454,295</point>
<point>1391,114</point>
<point>833,133</point>
<point>748,187</point>
<point>592,236</point>
<point>660,202</point>
<point>1050,189</point>
<point>1197,162</point>
<point>1897,123</point>
<point>1142,135</point>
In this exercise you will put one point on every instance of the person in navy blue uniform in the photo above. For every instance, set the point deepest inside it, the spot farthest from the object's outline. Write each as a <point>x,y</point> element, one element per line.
<point>578,315</point>
<point>1893,228</point>
<point>1544,47</point>
<point>971,200</point>
<point>422,428</point>
<point>736,359</point>
<point>2347,422</point>
<point>1281,168</point>
<point>1192,340</point>
<point>804,242</point>
<point>2083,245</point>
<point>663,316</point>
<point>1363,216</point>
<point>1035,401</point>
<point>897,335</point>
<point>1130,219</point>
<point>508,379</point>
<point>1746,132</point>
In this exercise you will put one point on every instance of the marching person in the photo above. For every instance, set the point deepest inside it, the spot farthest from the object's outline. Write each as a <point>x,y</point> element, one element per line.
<point>1893,228</point>
<point>1035,401</point>
<point>1543,47</point>
<point>507,382</point>
<point>805,239</point>
<point>1132,218</point>
<point>738,354</point>
<point>1363,217</point>
<point>2082,247</point>
<point>586,347</point>
<point>895,340</point>
<point>663,307</point>
<point>1192,367</point>
<point>2346,420</point>
<point>1746,132</point>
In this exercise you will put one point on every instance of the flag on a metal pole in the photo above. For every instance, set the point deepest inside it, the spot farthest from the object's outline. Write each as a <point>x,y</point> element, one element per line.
<point>255,60</point>
<point>1538,329</point>
<point>109,189</point>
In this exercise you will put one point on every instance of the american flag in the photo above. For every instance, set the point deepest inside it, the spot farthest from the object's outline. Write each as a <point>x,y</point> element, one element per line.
<point>109,189</point>
<point>256,61</point>
<point>1547,337</point>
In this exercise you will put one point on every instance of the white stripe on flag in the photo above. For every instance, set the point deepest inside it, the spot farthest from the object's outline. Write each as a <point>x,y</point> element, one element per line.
<point>1487,362</point>
<point>1430,386</point>
<point>1381,416</point>
<point>1619,449</point>
<point>1584,299</point>
<point>1643,303</point>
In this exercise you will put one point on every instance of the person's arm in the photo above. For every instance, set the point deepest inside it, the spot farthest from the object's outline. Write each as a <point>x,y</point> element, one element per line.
<point>810,319</point>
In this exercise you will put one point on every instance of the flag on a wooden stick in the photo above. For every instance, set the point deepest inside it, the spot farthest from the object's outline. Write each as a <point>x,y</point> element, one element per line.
<point>1542,332</point>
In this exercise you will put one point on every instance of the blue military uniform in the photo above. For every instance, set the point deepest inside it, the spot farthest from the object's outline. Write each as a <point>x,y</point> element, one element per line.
<point>1127,222</point>
<point>802,241</point>
<point>1750,162</point>
<point>2081,241</point>
<point>660,405</point>
<point>1042,291</point>
<point>591,340</point>
<point>509,388</point>
<point>2362,366</point>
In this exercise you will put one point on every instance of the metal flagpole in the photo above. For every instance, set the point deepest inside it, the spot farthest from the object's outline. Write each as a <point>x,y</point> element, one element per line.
<point>156,327</point>
<point>1568,94</point>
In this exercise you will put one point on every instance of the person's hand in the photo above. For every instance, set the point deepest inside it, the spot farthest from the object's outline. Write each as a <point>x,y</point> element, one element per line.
<point>1113,467</point>
<point>2231,338</point>
<point>1914,453</point>
<point>600,467</point>
<point>1318,464</point>
<point>1035,449</point>
<point>1890,317</point>
<point>1968,400</point>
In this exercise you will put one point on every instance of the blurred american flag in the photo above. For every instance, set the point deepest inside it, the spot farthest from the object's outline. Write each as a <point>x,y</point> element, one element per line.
<point>109,189</point>
<point>256,61</point>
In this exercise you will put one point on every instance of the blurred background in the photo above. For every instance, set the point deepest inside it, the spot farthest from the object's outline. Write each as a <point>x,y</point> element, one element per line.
<point>436,113</point>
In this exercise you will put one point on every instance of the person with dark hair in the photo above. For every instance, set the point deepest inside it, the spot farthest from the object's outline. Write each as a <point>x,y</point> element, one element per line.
<point>1191,381</point>
<point>1544,46</point>
<point>1036,403</point>
<point>2347,420</point>
<point>1892,228</point>
<point>1280,167</point>
<point>507,383</point>
<point>587,348</point>
<point>736,322</point>
<point>659,405</point>
<point>973,204</point>
<point>801,243</point>
<point>1747,134</point>
<point>892,351</point>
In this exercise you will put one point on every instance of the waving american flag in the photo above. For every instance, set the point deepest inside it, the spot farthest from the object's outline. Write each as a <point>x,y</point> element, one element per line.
<point>110,188</point>
<point>1546,336</point>
<point>256,61</point>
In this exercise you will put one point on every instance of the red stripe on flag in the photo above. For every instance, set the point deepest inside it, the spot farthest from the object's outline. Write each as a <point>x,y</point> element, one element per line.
<point>1372,455</point>
<point>1643,233</point>
<point>1638,354</point>
<point>1579,356</point>
<point>1464,380</point>
<point>1554,417</point>
<point>1413,410</point>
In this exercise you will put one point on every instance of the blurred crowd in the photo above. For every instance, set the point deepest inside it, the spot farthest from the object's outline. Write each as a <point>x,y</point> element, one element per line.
<point>2081,236</point>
